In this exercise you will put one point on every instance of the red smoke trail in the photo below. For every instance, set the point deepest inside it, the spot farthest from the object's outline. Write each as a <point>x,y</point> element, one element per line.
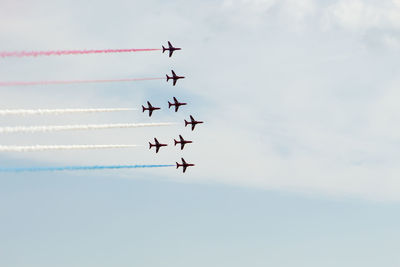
<point>70,52</point>
<point>75,81</point>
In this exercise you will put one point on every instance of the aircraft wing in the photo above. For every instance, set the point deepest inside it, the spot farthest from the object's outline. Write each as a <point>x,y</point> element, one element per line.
<point>170,45</point>
<point>176,108</point>
<point>182,146</point>
<point>149,105</point>
<point>157,148</point>
<point>193,125</point>
<point>174,82</point>
<point>150,112</point>
<point>171,52</point>
<point>184,168</point>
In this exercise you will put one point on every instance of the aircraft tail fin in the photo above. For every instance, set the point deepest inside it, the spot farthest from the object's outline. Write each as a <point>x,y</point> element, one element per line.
<point>143,108</point>
<point>186,123</point>
<point>176,142</point>
<point>177,165</point>
<point>168,77</point>
<point>150,145</point>
<point>163,49</point>
<point>169,104</point>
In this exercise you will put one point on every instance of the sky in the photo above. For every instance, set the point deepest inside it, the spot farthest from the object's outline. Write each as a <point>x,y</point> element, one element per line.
<point>297,161</point>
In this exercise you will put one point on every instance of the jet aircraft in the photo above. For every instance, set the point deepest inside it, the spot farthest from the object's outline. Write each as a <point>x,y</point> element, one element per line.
<point>176,103</point>
<point>156,144</point>
<point>182,142</point>
<point>170,48</point>
<point>150,108</point>
<point>174,77</point>
<point>184,165</point>
<point>193,122</point>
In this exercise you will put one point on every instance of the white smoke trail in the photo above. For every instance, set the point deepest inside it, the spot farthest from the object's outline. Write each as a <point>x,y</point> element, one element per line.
<point>60,147</point>
<point>54,128</point>
<point>5,112</point>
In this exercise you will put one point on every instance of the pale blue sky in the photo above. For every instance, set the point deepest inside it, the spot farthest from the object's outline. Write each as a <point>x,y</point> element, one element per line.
<point>297,163</point>
<point>66,220</point>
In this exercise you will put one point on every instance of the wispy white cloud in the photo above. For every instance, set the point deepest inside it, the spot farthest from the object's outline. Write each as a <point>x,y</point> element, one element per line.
<point>312,111</point>
<point>255,13</point>
<point>363,15</point>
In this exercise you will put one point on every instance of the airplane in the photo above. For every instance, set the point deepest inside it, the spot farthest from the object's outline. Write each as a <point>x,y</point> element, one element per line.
<point>174,77</point>
<point>156,144</point>
<point>150,108</point>
<point>182,141</point>
<point>177,104</point>
<point>193,122</point>
<point>170,48</point>
<point>184,165</point>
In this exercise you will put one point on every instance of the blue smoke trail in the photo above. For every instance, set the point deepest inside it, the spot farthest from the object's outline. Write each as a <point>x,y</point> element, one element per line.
<point>80,168</point>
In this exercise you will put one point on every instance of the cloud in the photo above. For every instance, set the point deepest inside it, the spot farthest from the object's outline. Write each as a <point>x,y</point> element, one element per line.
<point>255,13</point>
<point>363,15</point>
<point>353,15</point>
<point>375,23</point>
<point>311,111</point>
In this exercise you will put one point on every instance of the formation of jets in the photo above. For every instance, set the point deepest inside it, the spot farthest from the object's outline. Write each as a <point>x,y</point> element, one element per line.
<point>182,142</point>
<point>176,104</point>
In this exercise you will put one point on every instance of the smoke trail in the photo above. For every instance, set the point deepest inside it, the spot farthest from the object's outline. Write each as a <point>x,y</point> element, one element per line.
<point>76,81</point>
<point>54,128</point>
<point>71,52</point>
<point>60,147</point>
<point>59,111</point>
<point>80,168</point>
